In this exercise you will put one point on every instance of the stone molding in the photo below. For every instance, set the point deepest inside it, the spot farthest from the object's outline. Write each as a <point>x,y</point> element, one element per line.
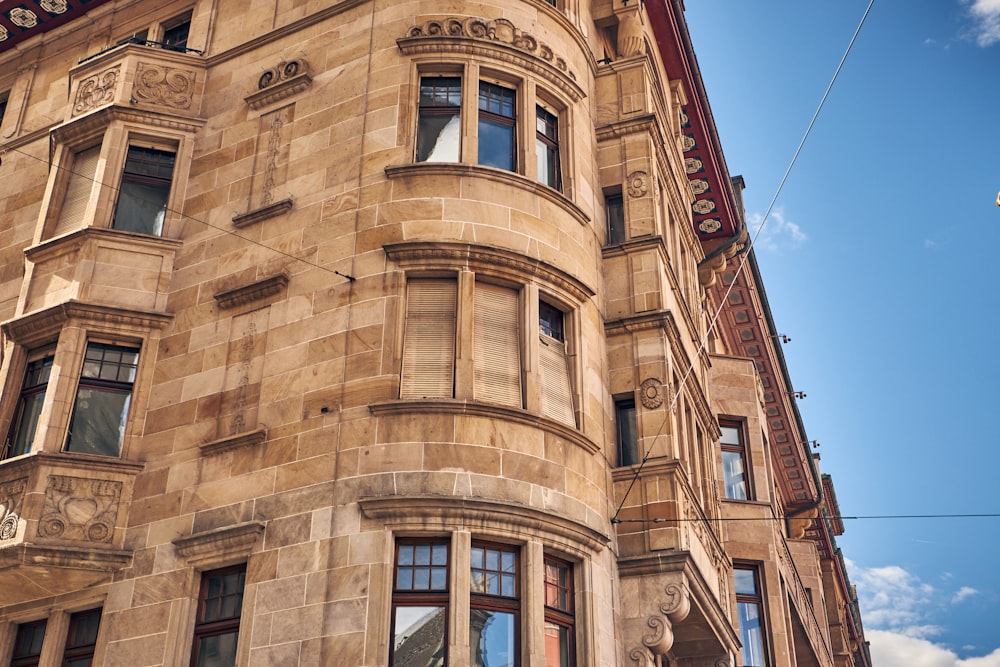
<point>44,325</point>
<point>498,39</point>
<point>220,544</point>
<point>73,241</point>
<point>253,292</point>
<point>248,439</point>
<point>79,130</point>
<point>263,213</point>
<point>486,410</point>
<point>476,514</point>
<point>487,260</point>
<point>459,170</point>
<point>164,86</point>
<point>279,82</point>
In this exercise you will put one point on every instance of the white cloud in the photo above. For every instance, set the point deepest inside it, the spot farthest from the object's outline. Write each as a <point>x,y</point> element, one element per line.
<point>890,649</point>
<point>963,593</point>
<point>986,16</point>
<point>779,233</point>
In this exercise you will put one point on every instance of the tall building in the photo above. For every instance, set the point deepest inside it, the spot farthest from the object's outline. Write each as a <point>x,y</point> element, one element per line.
<point>374,333</point>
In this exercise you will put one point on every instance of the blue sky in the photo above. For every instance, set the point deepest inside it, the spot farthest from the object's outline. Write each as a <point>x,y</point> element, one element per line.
<point>879,262</point>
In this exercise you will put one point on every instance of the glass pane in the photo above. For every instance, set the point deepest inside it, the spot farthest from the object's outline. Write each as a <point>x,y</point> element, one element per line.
<point>734,475</point>
<point>751,634</point>
<point>418,637</point>
<point>746,582</point>
<point>730,435</point>
<point>405,554</point>
<point>98,422</point>
<point>557,645</point>
<point>492,559</point>
<point>491,638</point>
<point>507,585</point>
<point>404,579</point>
<point>217,650</point>
<point>628,443</point>
<point>31,407</point>
<point>81,662</point>
<point>496,144</point>
<point>421,579</point>
<point>439,579</point>
<point>422,554</point>
<point>478,560</point>
<point>141,207</point>
<point>440,554</point>
<point>439,137</point>
<point>83,628</point>
<point>548,164</point>
<point>442,91</point>
<point>616,219</point>
<point>28,641</point>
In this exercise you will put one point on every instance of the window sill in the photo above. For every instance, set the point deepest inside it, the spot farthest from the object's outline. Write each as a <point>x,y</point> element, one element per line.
<point>487,410</point>
<point>491,174</point>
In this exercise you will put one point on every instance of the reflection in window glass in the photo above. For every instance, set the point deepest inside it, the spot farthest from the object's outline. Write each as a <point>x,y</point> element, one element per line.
<point>102,400</point>
<point>749,607</point>
<point>25,422</point>
<point>496,126</point>
<point>439,127</point>
<point>145,188</point>
<point>492,638</point>
<point>734,462</point>
<point>419,636</point>
<point>547,148</point>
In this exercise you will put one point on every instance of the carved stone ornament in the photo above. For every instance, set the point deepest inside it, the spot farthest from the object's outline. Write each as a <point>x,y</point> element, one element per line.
<point>11,497</point>
<point>496,30</point>
<point>651,393</point>
<point>78,508</point>
<point>166,86</point>
<point>630,32</point>
<point>23,18</point>
<point>4,34</point>
<point>96,90</point>
<point>710,225</point>
<point>678,604</point>
<point>283,80</point>
<point>54,6</point>
<point>693,165</point>
<point>637,183</point>
<point>661,638</point>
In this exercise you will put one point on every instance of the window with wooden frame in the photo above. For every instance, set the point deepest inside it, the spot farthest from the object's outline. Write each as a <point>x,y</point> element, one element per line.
<point>429,338</point>
<point>497,126</point>
<point>560,622</point>
<point>4,96</point>
<point>28,644</point>
<point>626,433</point>
<point>103,395</point>
<point>420,603</point>
<point>176,32</point>
<point>439,119</point>
<point>217,625</point>
<point>750,613</point>
<point>144,191</point>
<point>547,147</point>
<point>735,471</point>
<point>494,606</point>
<point>24,425</point>
<point>553,362</point>
<point>81,638</point>
<point>614,207</point>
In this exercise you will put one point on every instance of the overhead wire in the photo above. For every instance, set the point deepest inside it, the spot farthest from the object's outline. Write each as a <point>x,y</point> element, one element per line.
<point>703,342</point>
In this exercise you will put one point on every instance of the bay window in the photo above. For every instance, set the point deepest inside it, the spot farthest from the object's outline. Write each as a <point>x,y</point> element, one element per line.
<point>439,126</point>
<point>144,191</point>
<point>497,126</point>
<point>547,147</point>
<point>420,604</point>
<point>494,606</point>
<point>560,626</point>
<point>102,400</point>
<point>734,462</point>
<point>626,432</point>
<point>29,406</point>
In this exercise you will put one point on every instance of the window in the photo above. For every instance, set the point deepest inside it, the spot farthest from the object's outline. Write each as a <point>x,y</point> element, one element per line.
<point>145,188</point>
<point>615,208</point>
<point>496,345</point>
<point>420,604</point>
<point>429,339</point>
<point>79,184</point>
<point>557,392</point>
<point>217,626</point>
<point>559,622</point>
<point>81,638</point>
<point>494,606</point>
<point>439,128</point>
<point>750,611</point>
<point>497,126</point>
<point>28,644</point>
<point>734,467</point>
<point>4,96</point>
<point>102,400</point>
<point>547,148</point>
<point>29,407</point>
<point>625,424</point>
<point>175,32</point>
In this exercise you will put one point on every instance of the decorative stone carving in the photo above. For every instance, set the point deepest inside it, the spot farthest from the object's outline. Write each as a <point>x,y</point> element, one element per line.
<point>651,393</point>
<point>637,184</point>
<point>77,508</point>
<point>678,604</point>
<point>693,165</point>
<point>630,32</point>
<point>496,30</point>
<point>11,498</point>
<point>703,206</point>
<point>23,18</point>
<point>54,6</point>
<point>710,225</point>
<point>283,80</point>
<point>699,186</point>
<point>642,657</point>
<point>4,34</point>
<point>661,638</point>
<point>96,90</point>
<point>256,291</point>
<point>161,85</point>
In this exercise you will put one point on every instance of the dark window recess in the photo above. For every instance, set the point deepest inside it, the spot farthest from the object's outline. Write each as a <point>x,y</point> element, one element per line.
<point>81,638</point>
<point>420,604</point>
<point>628,441</point>
<point>102,399</point>
<point>217,627</point>
<point>145,188</point>
<point>4,96</point>
<point>29,407</point>
<point>439,129</point>
<point>28,644</point>
<point>175,33</point>
<point>497,126</point>
<point>550,321</point>
<point>547,148</point>
<point>615,207</point>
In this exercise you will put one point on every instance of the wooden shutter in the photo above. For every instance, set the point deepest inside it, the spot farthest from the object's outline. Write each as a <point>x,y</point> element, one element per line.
<point>557,392</point>
<point>429,339</point>
<point>496,346</point>
<point>78,189</point>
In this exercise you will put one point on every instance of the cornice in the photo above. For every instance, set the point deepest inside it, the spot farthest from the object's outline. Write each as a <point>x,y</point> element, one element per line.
<point>220,543</point>
<point>231,442</point>
<point>44,325</point>
<point>488,260</point>
<point>256,291</point>
<point>93,124</point>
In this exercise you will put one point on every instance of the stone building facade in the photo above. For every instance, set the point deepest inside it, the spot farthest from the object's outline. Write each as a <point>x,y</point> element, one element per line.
<point>383,332</point>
